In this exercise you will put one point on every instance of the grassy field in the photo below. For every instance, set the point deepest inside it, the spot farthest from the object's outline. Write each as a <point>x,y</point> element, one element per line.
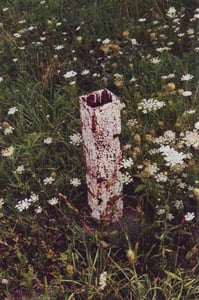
<point>52,52</point>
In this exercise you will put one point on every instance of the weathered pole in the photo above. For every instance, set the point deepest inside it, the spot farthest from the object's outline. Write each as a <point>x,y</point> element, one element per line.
<point>101,129</point>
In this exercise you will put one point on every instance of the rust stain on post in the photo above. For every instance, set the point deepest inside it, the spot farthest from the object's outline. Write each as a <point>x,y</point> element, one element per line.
<point>101,129</point>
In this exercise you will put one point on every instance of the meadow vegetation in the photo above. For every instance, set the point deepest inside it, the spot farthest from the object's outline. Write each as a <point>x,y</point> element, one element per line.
<point>51,52</point>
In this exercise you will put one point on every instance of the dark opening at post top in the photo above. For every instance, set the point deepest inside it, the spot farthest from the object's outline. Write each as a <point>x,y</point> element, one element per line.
<point>98,98</point>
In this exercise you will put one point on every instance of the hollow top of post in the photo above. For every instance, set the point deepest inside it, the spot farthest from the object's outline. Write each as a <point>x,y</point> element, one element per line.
<point>98,98</point>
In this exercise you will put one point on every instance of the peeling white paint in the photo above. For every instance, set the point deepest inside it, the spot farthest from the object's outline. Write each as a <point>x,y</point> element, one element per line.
<point>101,129</point>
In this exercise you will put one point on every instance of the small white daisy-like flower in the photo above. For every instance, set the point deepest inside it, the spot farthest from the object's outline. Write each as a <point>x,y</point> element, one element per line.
<point>20,169</point>
<point>38,210</point>
<point>189,216</point>
<point>85,72</point>
<point>12,110</point>
<point>53,201</point>
<point>170,217</point>
<point>48,180</point>
<point>127,163</point>
<point>7,152</point>
<point>1,79</point>
<point>126,178</point>
<point>75,182</point>
<point>48,140</point>
<point>70,74</point>
<point>75,139</point>
<point>8,130</point>
<point>106,41</point>
<point>186,77</point>
<point>187,93</point>
<point>59,47</point>
<point>155,60</point>
<point>161,211</point>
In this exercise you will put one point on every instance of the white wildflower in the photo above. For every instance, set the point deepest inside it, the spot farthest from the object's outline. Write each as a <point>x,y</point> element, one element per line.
<point>187,93</point>
<point>8,130</point>
<point>48,180</point>
<point>189,216</point>
<point>23,204</point>
<point>141,20</point>
<point>75,182</point>
<point>152,169</point>
<point>171,12</point>
<point>53,201</point>
<point>48,140</point>
<point>126,178</point>
<point>1,79</point>
<point>170,217</point>
<point>186,77</point>
<point>106,41</point>
<point>59,47</point>
<point>161,211</point>
<point>161,177</point>
<point>171,156</point>
<point>155,60</point>
<point>75,139</point>
<point>38,210</point>
<point>103,280</point>
<point>127,163</point>
<point>196,125</point>
<point>7,152</point>
<point>1,202</point>
<point>12,110</point>
<point>85,72</point>
<point>190,138</point>
<point>70,74</point>
<point>168,137</point>
<point>150,105</point>
<point>20,169</point>
<point>179,204</point>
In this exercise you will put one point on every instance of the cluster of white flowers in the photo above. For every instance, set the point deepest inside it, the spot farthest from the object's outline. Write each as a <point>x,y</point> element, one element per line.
<point>103,280</point>
<point>168,137</point>
<point>150,105</point>
<point>127,163</point>
<point>27,202</point>
<point>75,139</point>
<point>190,138</point>
<point>179,204</point>
<point>75,182</point>
<point>154,171</point>
<point>172,157</point>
